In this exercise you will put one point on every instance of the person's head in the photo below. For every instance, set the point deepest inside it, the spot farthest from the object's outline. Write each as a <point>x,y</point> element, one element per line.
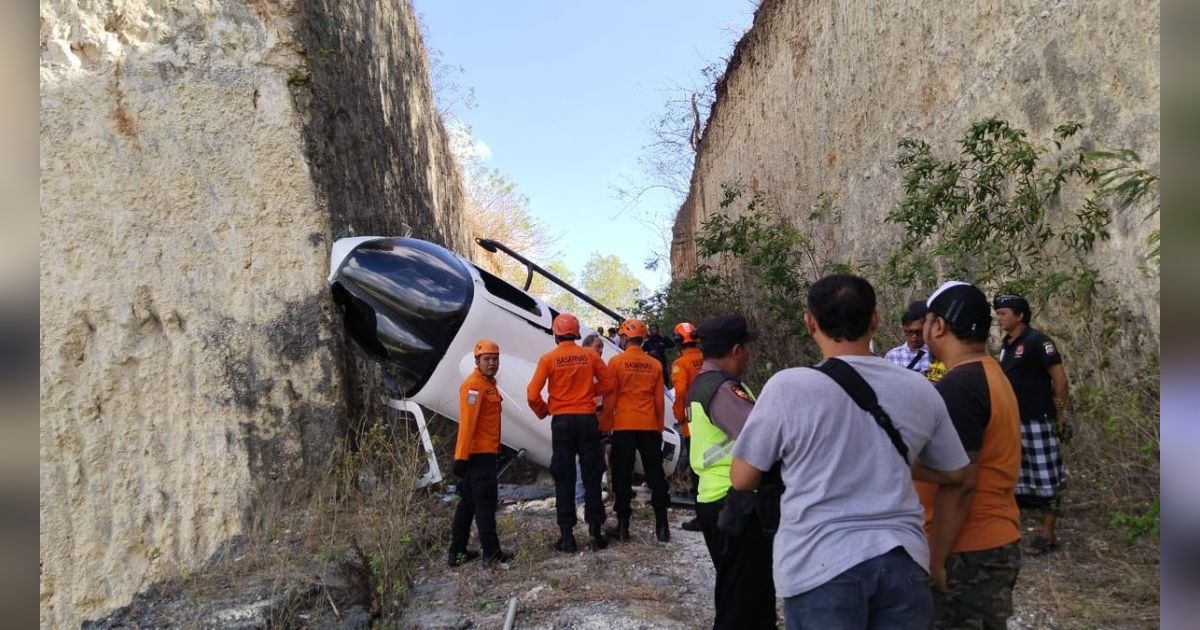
<point>725,339</point>
<point>1011,311</point>
<point>633,331</point>
<point>487,357</point>
<point>841,309</point>
<point>612,332</point>
<point>958,317</point>
<point>685,335</point>
<point>654,330</point>
<point>595,342</point>
<point>912,323</point>
<point>565,327</point>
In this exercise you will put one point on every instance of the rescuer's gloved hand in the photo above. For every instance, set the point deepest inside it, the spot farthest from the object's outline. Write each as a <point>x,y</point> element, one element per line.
<point>460,468</point>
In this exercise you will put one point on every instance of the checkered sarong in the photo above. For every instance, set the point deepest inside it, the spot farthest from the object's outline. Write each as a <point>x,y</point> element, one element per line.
<point>1042,471</point>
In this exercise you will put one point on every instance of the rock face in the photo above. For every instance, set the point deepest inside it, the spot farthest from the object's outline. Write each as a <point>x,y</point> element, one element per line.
<point>197,160</point>
<point>818,93</point>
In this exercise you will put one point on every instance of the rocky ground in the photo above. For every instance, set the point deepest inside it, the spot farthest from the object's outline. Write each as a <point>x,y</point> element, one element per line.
<point>1087,583</point>
<point>1093,581</point>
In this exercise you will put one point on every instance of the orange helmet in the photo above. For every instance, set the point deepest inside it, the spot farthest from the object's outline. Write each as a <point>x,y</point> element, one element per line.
<point>565,324</point>
<point>685,332</point>
<point>486,346</point>
<point>634,328</point>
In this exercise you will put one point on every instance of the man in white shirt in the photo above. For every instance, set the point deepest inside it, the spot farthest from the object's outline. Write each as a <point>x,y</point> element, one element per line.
<point>913,354</point>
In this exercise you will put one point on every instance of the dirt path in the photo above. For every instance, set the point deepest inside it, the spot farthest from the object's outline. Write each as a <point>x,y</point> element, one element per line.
<point>638,584</point>
<point>1090,582</point>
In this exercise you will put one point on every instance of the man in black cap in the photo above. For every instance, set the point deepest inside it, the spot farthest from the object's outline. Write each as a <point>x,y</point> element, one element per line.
<point>974,532</point>
<point>1033,365</point>
<point>718,405</point>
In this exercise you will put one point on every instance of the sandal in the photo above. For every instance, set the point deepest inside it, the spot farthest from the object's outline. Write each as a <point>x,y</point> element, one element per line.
<point>1042,545</point>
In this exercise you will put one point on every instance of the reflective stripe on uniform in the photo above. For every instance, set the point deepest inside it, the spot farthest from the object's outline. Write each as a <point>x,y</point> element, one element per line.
<point>714,453</point>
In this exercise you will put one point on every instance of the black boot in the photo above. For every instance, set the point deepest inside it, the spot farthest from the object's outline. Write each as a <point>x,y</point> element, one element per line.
<point>598,540</point>
<point>662,530</point>
<point>692,525</point>
<point>502,557</point>
<point>459,558</point>
<point>566,541</point>
<point>623,528</point>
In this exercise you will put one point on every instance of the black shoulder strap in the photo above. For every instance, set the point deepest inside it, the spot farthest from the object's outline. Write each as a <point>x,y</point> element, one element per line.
<point>704,387</point>
<point>916,360</point>
<point>861,393</point>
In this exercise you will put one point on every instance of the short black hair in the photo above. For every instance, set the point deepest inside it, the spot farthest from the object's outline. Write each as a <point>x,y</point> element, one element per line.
<point>915,312</point>
<point>842,305</point>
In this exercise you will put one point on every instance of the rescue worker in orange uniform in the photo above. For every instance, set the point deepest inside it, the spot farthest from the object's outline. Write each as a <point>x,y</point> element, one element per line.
<point>683,372</point>
<point>636,407</point>
<point>575,376</point>
<point>475,454</point>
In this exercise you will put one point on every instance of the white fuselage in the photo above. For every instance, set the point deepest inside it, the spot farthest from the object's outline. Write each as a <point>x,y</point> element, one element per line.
<point>523,334</point>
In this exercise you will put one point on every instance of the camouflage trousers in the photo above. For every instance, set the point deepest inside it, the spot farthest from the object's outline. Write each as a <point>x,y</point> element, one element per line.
<point>979,588</point>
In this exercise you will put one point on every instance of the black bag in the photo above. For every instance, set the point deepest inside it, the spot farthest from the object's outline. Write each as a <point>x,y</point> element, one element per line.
<point>861,393</point>
<point>759,508</point>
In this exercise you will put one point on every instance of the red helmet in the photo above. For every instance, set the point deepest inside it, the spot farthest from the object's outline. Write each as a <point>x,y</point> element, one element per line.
<point>634,328</point>
<point>685,332</point>
<point>565,324</point>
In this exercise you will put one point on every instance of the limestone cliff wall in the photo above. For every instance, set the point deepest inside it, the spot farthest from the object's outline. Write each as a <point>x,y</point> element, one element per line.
<point>197,158</point>
<point>819,91</point>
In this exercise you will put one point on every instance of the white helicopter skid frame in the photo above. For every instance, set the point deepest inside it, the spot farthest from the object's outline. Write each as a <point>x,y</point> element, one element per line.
<point>419,308</point>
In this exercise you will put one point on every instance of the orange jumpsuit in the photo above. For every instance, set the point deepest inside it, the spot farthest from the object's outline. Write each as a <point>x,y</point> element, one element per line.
<point>636,403</point>
<point>571,370</point>
<point>637,409</point>
<point>576,376</point>
<point>683,372</point>
<point>478,417</point>
<point>478,444</point>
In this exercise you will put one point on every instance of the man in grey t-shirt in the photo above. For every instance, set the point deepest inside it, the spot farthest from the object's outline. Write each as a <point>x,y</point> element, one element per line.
<point>851,550</point>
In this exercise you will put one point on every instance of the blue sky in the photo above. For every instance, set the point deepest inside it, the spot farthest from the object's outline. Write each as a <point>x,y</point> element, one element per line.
<point>564,93</point>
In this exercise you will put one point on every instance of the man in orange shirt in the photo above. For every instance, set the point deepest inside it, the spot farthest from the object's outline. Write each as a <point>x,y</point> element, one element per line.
<point>636,407</point>
<point>475,453</point>
<point>974,538</point>
<point>683,372</point>
<point>575,376</point>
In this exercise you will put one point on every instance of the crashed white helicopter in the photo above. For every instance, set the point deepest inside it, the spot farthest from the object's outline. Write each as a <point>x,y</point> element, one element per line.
<point>420,308</point>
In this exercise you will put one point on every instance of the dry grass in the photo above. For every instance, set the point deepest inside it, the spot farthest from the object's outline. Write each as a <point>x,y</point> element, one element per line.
<point>1093,580</point>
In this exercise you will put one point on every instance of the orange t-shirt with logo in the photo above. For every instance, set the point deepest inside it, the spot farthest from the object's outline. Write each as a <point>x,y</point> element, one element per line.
<point>478,416</point>
<point>576,376</point>
<point>683,372</point>
<point>985,413</point>
<point>637,400</point>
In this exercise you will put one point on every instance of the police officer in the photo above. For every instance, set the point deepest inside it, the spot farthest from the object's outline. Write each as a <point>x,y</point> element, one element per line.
<point>718,406</point>
<point>683,372</point>
<point>637,408</point>
<point>475,453</point>
<point>574,376</point>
